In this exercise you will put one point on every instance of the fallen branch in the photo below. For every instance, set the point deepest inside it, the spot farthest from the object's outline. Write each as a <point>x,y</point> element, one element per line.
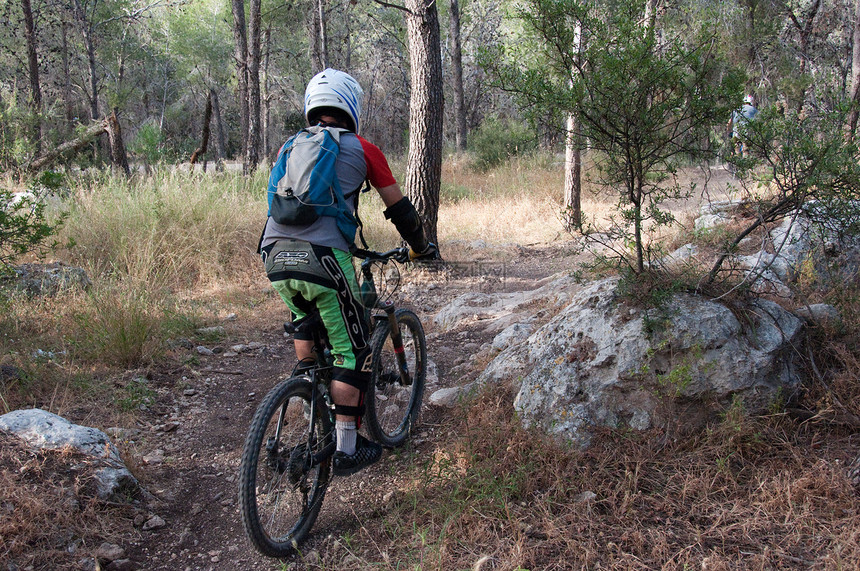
<point>109,125</point>
<point>825,417</point>
<point>87,137</point>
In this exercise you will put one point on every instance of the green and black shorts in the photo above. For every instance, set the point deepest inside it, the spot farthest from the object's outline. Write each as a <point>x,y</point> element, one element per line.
<point>309,277</point>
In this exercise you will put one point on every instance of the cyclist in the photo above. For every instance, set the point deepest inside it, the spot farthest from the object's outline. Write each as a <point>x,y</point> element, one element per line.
<point>312,269</point>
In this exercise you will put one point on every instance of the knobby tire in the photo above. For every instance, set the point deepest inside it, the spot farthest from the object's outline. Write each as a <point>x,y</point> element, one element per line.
<point>280,489</point>
<point>392,406</point>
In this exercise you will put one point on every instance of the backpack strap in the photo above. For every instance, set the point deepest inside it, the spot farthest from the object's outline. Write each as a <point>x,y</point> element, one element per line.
<point>263,233</point>
<point>358,192</point>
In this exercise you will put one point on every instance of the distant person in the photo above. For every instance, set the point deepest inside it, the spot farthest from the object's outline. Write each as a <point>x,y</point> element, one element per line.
<point>739,118</point>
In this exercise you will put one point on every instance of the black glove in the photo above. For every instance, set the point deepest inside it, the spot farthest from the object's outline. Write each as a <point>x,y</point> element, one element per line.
<point>408,224</point>
<point>431,252</point>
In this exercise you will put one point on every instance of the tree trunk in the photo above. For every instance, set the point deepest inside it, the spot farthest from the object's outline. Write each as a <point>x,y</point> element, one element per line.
<point>317,37</point>
<point>855,74</point>
<point>806,33</point>
<point>637,224</point>
<point>572,176</point>
<point>165,83</point>
<point>86,32</point>
<point>346,54</point>
<point>33,65</point>
<point>461,131</point>
<point>751,52</point>
<point>650,20</point>
<point>120,75</point>
<point>265,96</point>
<point>204,138</point>
<point>805,29</point>
<point>252,157</point>
<point>220,138</point>
<point>320,6</point>
<point>572,147</point>
<point>241,56</point>
<point>426,109</point>
<point>119,159</point>
<point>67,82</point>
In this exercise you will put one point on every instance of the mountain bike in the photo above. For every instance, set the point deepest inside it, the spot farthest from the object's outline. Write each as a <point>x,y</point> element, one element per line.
<point>286,463</point>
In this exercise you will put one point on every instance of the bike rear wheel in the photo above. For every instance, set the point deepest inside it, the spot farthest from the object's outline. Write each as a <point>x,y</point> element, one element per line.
<point>285,468</point>
<point>392,403</point>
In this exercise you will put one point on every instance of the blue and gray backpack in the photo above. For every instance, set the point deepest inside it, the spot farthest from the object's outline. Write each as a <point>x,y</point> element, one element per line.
<point>303,184</point>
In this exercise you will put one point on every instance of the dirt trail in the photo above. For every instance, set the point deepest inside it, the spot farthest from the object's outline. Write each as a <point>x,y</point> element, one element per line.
<point>189,447</point>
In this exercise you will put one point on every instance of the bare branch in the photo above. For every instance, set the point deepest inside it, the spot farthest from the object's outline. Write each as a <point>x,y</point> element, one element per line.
<point>395,6</point>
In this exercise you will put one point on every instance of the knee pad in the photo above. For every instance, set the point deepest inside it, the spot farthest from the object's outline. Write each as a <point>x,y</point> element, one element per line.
<point>356,411</point>
<point>358,379</point>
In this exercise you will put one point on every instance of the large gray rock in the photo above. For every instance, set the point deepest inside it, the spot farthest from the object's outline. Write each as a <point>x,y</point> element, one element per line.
<point>595,364</point>
<point>799,245</point>
<point>792,243</point>
<point>762,269</point>
<point>821,314</point>
<point>43,429</point>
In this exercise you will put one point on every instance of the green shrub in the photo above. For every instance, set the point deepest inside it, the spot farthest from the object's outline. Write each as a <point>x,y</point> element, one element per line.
<point>16,128</point>
<point>24,226</point>
<point>148,145</point>
<point>496,141</point>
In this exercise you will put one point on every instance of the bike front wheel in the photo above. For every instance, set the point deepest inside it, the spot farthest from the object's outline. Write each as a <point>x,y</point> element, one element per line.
<point>285,467</point>
<point>394,396</point>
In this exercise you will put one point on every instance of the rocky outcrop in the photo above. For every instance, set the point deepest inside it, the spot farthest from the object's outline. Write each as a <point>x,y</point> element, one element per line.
<point>42,429</point>
<point>796,246</point>
<point>601,363</point>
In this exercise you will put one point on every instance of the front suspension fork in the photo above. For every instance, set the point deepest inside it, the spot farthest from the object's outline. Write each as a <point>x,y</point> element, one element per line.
<point>397,341</point>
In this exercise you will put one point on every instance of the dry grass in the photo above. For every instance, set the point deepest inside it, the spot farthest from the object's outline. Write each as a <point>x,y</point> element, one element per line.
<point>746,494</point>
<point>50,516</point>
<point>169,230</point>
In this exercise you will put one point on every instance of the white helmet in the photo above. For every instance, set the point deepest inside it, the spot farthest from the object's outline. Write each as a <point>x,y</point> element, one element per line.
<point>333,88</point>
<point>748,99</point>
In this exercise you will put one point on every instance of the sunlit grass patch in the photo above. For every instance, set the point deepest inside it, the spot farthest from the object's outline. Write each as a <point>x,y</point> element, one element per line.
<point>171,229</point>
<point>121,326</point>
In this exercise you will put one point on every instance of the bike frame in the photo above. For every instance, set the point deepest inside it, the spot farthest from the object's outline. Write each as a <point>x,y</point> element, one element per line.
<point>397,341</point>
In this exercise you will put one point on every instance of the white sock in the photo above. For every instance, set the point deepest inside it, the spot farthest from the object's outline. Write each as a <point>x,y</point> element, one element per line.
<point>345,436</point>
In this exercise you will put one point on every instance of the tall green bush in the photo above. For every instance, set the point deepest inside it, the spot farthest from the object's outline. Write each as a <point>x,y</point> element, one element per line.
<point>148,145</point>
<point>15,123</point>
<point>498,140</point>
<point>645,102</point>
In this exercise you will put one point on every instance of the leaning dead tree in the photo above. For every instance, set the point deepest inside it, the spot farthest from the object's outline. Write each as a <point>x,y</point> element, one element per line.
<point>109,125</point>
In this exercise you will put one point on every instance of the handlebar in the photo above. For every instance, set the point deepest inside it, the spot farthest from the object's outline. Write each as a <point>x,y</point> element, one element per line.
<point>401,255</point>
<point>397,254</point>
